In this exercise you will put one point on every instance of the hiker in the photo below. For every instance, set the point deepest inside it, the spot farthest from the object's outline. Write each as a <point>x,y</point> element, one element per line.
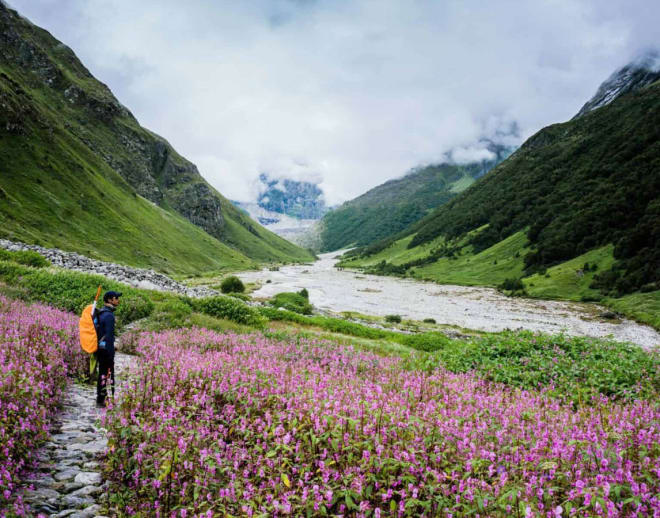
<point>106,350</point>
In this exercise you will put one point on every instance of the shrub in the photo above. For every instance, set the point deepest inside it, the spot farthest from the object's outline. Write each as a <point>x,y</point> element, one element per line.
<point>335,325</point>
<point>515,286</point>
<point>426,341</point>
<point>232,284</point>
<point>229,308</point>
<point>651,286</point>
<point>429,320</point>
<point>395,319</point>
<point>26,257</point>
<point>10,272</point>
<point>172,313</point>
<point>304,293</point>
<point>292,302</point>
<point>240,296</point>
<point>591,298</point>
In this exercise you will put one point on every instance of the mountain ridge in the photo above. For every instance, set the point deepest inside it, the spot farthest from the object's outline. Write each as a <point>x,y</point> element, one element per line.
<point>569,190</point>
<point>643,71</point>
<point>60,122</point>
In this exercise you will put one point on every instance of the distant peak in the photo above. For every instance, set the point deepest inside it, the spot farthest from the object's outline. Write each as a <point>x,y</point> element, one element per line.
<point>642,71</point>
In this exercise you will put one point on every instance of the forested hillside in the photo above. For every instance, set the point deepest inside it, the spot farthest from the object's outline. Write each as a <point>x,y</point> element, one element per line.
<point>570,189</point>
<point>395,205</point>
<point>80,173</point>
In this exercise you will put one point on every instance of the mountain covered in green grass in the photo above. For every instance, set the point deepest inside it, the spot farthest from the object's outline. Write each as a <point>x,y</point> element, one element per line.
<point>80,173</point>
<point>389,208</point>
<point>574,211</point>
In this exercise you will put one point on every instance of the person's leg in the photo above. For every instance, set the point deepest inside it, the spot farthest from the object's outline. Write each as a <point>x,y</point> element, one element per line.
<point>102,381</point>
<point>111,367</point>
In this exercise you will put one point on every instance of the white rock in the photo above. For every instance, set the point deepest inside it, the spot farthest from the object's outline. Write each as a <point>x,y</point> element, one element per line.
<point>88,478</point>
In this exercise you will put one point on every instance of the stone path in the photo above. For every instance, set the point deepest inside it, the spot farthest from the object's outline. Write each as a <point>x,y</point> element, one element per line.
<point>69,482</point>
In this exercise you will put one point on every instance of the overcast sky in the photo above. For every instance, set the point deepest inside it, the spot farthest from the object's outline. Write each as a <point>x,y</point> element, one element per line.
<point>350,93</point>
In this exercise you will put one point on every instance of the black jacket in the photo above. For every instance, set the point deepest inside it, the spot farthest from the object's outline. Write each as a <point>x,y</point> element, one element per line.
<point>107,329</point>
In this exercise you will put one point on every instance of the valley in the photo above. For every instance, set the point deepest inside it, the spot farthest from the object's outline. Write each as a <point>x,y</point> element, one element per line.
<point>467,307</point>
<point>479,336</point>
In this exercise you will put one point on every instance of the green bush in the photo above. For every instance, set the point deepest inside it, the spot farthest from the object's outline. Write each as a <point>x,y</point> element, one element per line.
<point>11,272</point>
<point>133,306</point>
<point>26,257</point>
<point>285,316</point>
<point>304,293</point>
<point>429,320</point>
<point>240,296</point>
<point>218,324</point>
<point>292,302</point>
<point>232,284</point>
<point>394,319</point>
<point>335,325</point>
<point>229,308</point>
<point>512,285</point>
<point>172,313</point>
<point>426,341</point>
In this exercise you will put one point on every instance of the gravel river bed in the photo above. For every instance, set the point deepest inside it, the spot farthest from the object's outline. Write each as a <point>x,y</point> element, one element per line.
<point>469,307</point>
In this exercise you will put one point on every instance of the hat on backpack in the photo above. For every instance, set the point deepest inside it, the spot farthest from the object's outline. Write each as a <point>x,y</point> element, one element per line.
<point>111,295</point>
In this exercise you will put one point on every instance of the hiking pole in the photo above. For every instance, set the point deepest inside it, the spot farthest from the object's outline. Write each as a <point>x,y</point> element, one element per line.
<point>98,293</point>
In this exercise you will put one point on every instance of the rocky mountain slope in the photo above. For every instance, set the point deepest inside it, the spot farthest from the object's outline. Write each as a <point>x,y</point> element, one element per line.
<point>297,199</point>
<point>71,154</point>
<point>635,75</point>
<point>587,186</point>
<point>290,208</point>
<point>393,206</point>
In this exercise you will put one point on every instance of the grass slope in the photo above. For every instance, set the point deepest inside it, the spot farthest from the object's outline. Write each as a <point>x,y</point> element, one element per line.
<point>71,155</point>
<point>487,268</point>
<point>573,187</point>
<point>55,199</point>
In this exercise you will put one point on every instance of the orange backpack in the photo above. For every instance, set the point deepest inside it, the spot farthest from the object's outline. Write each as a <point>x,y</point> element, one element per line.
<point>88,338</point>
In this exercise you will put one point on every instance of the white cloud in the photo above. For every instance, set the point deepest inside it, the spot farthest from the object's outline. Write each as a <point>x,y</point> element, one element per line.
<point>464,155</point>
<point>347,93</point>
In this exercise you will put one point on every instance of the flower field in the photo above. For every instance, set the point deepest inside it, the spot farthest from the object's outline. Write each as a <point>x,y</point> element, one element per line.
<point>244,425</point>
<point>39,348</point>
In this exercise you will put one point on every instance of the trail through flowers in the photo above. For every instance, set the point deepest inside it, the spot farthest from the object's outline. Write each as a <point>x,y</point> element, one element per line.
<point>38,350</point>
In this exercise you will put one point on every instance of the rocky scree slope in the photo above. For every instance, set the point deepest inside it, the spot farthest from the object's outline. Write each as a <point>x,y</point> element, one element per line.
<point>137,277</point>
<point>68,147</point>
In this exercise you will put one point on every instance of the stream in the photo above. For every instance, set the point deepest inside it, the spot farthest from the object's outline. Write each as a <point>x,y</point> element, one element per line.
<point>467,307</point>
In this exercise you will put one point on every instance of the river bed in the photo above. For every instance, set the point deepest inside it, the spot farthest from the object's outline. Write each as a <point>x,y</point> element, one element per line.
<point>468,307</point>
